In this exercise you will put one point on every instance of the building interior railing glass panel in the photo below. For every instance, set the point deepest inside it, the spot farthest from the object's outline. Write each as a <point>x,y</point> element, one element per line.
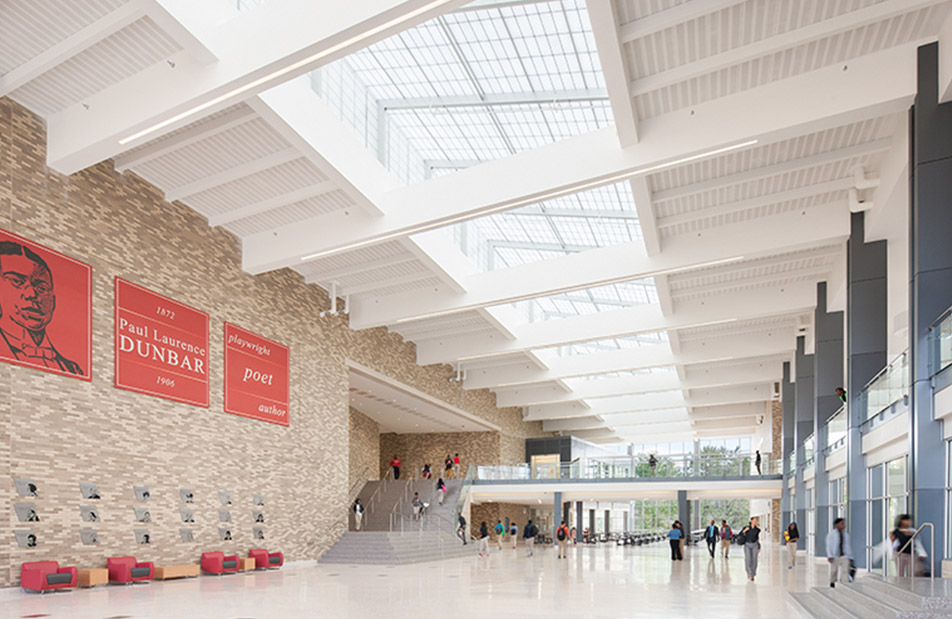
<point>888,387</point>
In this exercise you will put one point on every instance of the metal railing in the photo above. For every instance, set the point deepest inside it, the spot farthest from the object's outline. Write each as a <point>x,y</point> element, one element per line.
<point>792,462</point>
<point>889,386</point>
<point>940,337</point>
<point>344,519</point>
<point>912,564</point>
<point>835,431</point>
<point>634,467</point>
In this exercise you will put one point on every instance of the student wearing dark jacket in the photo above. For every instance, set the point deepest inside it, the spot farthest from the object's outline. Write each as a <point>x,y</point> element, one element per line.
<point>529,534</point>
<point>790,537</point>
<point>711,535</point>
<point>483,540</point>
<point>751,535</point>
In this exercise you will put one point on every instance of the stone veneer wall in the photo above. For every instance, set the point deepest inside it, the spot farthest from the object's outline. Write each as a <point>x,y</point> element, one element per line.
<point>61,431</point>
<point>364,449</point>
<point>491,512</point>
<point>415,450</point>
<point>776,415</point>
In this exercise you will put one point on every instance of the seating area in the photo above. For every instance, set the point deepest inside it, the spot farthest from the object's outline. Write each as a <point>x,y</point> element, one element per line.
<point>42,576</point>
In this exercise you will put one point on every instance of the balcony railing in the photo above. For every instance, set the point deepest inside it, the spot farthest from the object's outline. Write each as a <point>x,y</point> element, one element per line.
<point>888,387</point>
<point>792,462</point>
<point>940,336</point>
<point>836,428</point>
<point>809,449</point>
<point>634,467</point>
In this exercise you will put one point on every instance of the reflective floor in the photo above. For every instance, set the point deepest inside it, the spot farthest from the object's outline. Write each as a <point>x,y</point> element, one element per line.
<point>595,581</point>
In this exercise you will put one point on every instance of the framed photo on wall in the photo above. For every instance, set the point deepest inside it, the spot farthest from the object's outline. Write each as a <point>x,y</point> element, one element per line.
<point>45,308</point>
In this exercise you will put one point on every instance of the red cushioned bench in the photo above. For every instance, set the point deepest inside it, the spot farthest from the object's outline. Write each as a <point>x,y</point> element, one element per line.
<point>46,576</point>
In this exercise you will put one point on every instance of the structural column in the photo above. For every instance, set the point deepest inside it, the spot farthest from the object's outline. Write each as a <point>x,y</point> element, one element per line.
<point>578,521</point>
<point>556,514</point>
<point>828,375</point>
<point>804,426</point>
<point>866,355</point>
<point>930,285</point>
<point>787,400</point>
<point>684,512</point>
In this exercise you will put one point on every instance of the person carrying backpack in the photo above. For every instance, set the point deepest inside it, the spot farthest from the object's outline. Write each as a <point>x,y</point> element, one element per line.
<point>529,534</point>
<point>726,535</point>
<point>514,534</point>
<point>500,533</point>
<point>562,534</point>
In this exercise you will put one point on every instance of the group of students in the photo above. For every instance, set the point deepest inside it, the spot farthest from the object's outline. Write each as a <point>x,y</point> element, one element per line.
<point>449,465</point>
<point>749,538</point>
<point>529,533</point>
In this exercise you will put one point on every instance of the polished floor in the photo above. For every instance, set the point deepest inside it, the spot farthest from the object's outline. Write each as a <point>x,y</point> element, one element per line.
<point>595,581</point>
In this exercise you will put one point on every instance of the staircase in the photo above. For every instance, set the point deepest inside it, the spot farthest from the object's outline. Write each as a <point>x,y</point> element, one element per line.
<point>375,544</point>
<point>872,596</point>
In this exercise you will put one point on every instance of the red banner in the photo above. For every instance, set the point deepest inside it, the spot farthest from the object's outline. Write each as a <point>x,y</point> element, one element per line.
<point>161,346</point>
<point>256,376</point>
<point>45,308</point>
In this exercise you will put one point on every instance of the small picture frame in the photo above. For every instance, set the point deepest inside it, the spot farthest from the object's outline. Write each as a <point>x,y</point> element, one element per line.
<point>26,512</point>
<point>188,516</point>
<point>225,497</point>
<point>142,536</point>
<point>187,536</point>
<point>258,533</point>
<point>224,515</point>
<point>143,515</point>
<point>26,538</point>
<point>89,513</point>
<point>187,496</point>
<point>142,493</point>
<point>257,516</point>
<point>258,498</point>
<point>225,534</point>
<point>89,537</point>
<point>26,487</point>
<point>89,490</point>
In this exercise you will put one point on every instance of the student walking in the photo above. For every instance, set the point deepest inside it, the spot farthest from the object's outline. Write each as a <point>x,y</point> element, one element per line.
<point>791,536</point>
<point>652,464</point>
<point>440,490</point>
<point>562,534</point>
<point>456,464</point>
<point>711,536</point>
<point>358,514</point>
<point>674,538</point>
<point>751,542</point>
<point>757,461</point>
<point>839,552</point>
<point>727,535</point>
<point>900,537</point>
<point>395,465</point>
<point>461,529</point>
<point>483,539</point>
<point>529,534</point>
<point>425,472</point>
<point>417,506</point>
<point>514,534</point>
<point>500,533</point>
<point>448,467</point>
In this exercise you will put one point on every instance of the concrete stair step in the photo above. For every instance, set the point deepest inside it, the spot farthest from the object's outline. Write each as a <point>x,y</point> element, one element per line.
<point>837,602</point>
<point>812,606</point>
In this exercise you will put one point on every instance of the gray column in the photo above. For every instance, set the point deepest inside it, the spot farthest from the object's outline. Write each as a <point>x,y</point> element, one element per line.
<point>578,521</point>
<point>591,522</point>
<point>556,514</point>
<point>684,513</point>
<point>930,286</point>
<point>608,521</point>
<point>787,400</point>
<point>804,426</point>
<point>866,355</point>
<point>828,375</point>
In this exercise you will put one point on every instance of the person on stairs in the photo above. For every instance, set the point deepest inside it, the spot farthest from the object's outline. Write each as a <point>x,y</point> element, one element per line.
<point>483,539</point>
<point>358,514</point>
<point>395,465</point>
<point>417,506</point>
<point>461,529</point>
<point>440,490</point>
<point>839,552</point>
<point>711,536</point>
<point>448,467</point>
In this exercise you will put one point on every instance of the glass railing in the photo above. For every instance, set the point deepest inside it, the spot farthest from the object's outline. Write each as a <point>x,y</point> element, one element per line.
<point>836,431</point>
<point>792,462</point>
<point>940,336</point>
<point>635,467</point>
<point>891,385</point>
<point>809,449</point>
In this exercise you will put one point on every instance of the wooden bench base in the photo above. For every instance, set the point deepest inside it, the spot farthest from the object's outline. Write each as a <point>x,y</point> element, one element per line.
<point>176,571</point>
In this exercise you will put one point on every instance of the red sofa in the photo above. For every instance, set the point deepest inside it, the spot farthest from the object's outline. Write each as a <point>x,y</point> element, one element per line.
<point>46,575</point>
<point>265,560</point>
<point>218,563</point>
<point>126,570</point>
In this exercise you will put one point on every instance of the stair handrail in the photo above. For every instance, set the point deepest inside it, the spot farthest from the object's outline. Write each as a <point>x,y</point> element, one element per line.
<point>912,567</point>
<point>327,531</point>
<point>381,488</point>
<point>350,507</point>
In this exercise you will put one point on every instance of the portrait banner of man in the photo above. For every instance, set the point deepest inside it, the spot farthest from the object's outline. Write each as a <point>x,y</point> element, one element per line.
<point>45,308</point>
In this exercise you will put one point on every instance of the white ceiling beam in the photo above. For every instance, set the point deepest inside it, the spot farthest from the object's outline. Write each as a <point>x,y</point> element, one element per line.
<point>489,100</point>
<point>725,411</point>
<point>270,204</point>
<point>84,38</point>
<point>763,302</point>
<point>386,283</point>
<point>646,383</point>
<point>682,281</point>
<point>604,22</point>
<point>767,344</point>
<point>777,43</point>
<point>192,135</point>
<point>232,174</point>
<point>806,191</point>
<point>662,20</point>
<point>288,38</point>
<point>875,85</point>
<point>641,195</point>
<point>332,275</point>
<point>663,288</point>
<point>812,274</point>
<point>859,150</point>
<point>609,407</point>
<point>624,262</point>
<point>167,15</point>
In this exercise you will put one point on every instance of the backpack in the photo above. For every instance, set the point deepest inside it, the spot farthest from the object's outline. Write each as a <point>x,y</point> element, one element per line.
<point>740,538</point>
<point>561,534</point>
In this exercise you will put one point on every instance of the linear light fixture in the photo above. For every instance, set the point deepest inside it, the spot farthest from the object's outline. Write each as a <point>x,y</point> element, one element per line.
<point>585,286</point>
<point>284,71</point>
<point>509,205</point>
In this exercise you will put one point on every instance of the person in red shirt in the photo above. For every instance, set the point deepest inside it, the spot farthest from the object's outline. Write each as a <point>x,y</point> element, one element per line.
<point>395,465</point>
<point>562,534</point>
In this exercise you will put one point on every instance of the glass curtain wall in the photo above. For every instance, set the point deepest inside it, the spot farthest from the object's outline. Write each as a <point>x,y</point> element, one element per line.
<point>888,496</point>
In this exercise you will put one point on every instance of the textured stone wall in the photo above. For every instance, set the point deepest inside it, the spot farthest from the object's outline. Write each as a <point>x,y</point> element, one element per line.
<point>415,450</point>
<point>364,449</point>
<point>62,431</point>
<point>491,512</point>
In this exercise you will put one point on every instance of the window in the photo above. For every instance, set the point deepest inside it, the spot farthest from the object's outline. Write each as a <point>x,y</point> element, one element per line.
<point>887,498</point>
